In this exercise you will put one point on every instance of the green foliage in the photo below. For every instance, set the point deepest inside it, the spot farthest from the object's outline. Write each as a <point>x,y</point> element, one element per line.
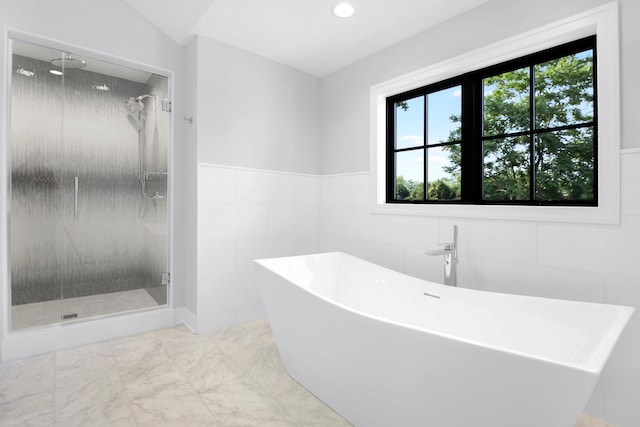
<point>403,104</point>
<point>564,160</point>
<point>441,189</point>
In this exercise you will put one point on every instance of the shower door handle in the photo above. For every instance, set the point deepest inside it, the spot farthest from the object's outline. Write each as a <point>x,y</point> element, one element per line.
<point>75,199</point>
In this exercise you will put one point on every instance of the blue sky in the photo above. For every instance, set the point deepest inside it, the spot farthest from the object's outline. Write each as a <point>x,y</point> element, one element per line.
<point>409,132</point>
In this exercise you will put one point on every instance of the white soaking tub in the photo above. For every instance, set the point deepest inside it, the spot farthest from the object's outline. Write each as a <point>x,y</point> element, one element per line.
<point>385,349</point>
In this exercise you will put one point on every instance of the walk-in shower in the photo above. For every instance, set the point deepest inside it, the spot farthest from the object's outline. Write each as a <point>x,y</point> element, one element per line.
<point>89,185</point>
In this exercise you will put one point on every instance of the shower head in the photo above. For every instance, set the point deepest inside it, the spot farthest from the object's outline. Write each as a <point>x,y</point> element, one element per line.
<point>136,114</point>
<point>68,62</point>
<point>143,96</point>
<point>134,105</point>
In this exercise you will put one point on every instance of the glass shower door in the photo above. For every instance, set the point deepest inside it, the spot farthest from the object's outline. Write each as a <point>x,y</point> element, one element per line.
<point>89,229</point>
<point>37,185</point>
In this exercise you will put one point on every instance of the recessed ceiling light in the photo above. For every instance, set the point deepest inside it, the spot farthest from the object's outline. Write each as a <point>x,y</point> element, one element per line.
<point>343,10</point>
<point>56,72</point>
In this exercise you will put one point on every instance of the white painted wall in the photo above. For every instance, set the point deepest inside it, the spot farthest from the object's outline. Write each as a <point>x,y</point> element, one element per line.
<point>345,103</point>
<point>114,29</point>
<point>258,192</point>
<point>190,184</point>
<point>255,112</point>
<point>561,260</point>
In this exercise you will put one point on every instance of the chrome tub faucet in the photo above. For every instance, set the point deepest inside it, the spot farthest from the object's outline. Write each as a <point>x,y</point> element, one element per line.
<point>450,252</point>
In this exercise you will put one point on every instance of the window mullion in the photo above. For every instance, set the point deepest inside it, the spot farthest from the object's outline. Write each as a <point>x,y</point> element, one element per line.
<point>425,143</point>
<point>532,140</point>
<point>471,173</point>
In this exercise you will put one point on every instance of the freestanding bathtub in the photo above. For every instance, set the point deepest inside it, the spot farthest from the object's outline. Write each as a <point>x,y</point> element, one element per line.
<point>389,350</point>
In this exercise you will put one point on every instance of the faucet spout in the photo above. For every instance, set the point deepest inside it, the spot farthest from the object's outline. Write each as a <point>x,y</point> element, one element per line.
<point>436,252</point>
<point>450,252</point>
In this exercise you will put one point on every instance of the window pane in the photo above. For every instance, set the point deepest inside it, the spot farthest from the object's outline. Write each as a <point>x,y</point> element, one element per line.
<point>564,91</point>
<point>506,103</point>
<point>409,175</point>
<point>443,172</point>
<point>410,123</point>
<point>506,169</point>
<point>565,165</point>
<point>444,111</point>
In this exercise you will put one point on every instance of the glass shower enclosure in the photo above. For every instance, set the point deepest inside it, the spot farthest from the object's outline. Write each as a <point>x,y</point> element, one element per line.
<point>88,217</point>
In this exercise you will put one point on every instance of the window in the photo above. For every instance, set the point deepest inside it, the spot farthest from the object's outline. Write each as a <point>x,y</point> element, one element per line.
<point>523,132</point>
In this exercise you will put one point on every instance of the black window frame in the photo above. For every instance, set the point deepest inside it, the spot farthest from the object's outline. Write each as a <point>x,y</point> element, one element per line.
<point>472,129</point>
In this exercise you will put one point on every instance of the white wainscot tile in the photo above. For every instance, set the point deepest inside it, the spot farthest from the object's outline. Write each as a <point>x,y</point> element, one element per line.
<point>408,231</point>
<point>248,250</point>
<point>293,220</point>
<point>303,245</point>
<point>534,280</point>
<point>385,255</point>
<point>262,187</point>
<point>630,179</point>
<point>325,220</point>
<point>217,294</point>
<point>335,244</point>
<point>471,272</point>
<point>505,240</point>
<point>216,257</point>
<point>220,299</point>
<point>216,185</point>
<point>231,221</point>
<point>621,375</point>
<point>345,190</point>
<point>211,321</point>
<point>599,248</point>
<point>420,265</point>
<point>247,293</point>
<point>626,291</point>
<point>306,190</point>
<point>354,223</point>
<point>622,412</point>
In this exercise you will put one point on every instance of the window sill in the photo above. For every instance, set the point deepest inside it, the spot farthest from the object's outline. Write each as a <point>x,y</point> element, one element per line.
<point>571,214</point>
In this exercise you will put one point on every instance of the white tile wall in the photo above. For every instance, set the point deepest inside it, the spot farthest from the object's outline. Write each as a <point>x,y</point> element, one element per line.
<point>537,280</point>
<point>630,178</point>
<point>245,214</point>
<point>626,291</point>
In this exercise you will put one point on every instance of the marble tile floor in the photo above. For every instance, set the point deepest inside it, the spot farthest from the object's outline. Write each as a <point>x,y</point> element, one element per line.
<point>170,377</point>
<point>50,312</point>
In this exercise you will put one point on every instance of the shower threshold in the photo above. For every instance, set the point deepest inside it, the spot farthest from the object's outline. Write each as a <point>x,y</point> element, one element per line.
<point>72,309</point>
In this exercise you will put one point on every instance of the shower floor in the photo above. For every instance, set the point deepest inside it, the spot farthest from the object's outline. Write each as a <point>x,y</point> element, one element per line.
<point>51,312</point>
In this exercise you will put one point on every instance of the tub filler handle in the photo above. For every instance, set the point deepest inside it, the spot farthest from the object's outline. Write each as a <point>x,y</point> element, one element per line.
<point>450,252</point>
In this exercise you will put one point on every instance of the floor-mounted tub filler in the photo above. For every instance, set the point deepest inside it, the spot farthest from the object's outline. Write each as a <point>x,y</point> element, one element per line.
<point>385,349</point>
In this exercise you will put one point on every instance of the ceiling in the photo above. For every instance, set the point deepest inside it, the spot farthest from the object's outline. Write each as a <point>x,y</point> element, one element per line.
<point>303,34</point>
